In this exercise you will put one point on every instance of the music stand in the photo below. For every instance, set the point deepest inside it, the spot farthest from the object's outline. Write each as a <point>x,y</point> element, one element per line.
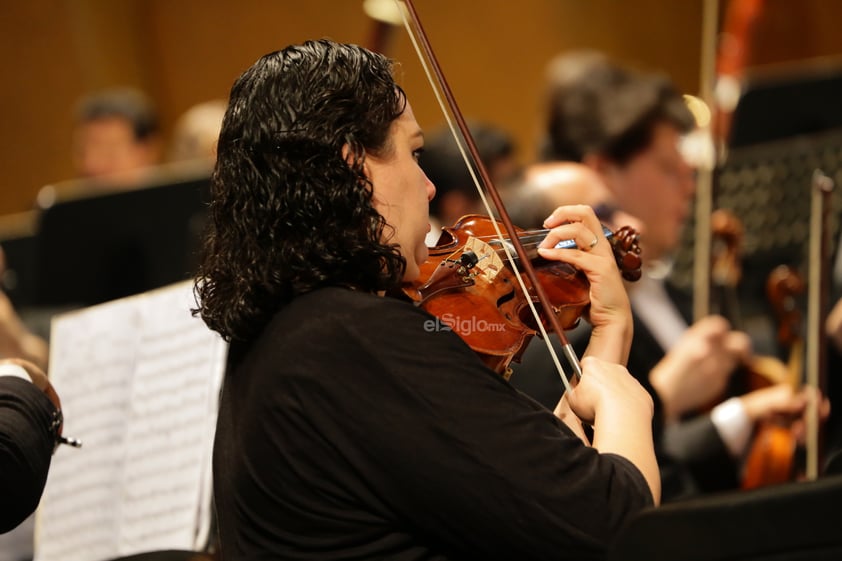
<point>792,522</point>
<point>788,100</point>
<point>99,247</point>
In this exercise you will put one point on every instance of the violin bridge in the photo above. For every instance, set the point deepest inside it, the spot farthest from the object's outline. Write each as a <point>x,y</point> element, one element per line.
<point>487,259</point>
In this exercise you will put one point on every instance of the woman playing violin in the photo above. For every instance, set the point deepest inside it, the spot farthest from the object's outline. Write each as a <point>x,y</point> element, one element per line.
<point>348,428</point>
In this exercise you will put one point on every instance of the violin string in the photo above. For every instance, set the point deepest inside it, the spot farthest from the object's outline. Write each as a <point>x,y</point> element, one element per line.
<point>527,234</point>
<point>402,7</point>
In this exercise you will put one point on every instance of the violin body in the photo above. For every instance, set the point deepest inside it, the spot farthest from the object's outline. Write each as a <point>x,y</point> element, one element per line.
<point>771,457</point>
<point>469,284</point>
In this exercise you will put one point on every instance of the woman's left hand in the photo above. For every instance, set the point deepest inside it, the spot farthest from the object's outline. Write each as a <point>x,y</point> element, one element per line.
<point>609,310</point>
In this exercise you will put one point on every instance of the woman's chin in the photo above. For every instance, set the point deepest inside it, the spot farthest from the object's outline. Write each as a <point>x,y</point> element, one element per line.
<point>411,274</point>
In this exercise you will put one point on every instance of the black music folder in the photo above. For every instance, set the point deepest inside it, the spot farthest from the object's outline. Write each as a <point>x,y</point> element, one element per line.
<point>789,522</point>
<point>787,100</point>
<point>110,244</point>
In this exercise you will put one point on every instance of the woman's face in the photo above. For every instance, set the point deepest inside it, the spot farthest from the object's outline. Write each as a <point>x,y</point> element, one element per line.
<point>402,191</point>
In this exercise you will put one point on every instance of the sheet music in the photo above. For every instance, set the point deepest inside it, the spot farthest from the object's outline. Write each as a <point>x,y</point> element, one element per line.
<point>139,381</point>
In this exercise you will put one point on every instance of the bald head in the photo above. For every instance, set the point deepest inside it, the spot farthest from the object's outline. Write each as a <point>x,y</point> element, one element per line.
<point>547,186</point>
<point>566,183</point>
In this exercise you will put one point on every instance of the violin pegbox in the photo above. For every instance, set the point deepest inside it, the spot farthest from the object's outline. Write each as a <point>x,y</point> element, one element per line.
<point>624,243</point>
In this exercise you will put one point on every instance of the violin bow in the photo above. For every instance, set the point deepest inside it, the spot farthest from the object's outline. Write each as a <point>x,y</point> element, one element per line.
<point>818,291</point>
<point>722,68</point>
<point>449,107</point>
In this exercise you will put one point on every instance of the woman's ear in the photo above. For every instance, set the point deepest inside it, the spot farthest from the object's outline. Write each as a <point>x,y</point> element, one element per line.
<point>348,156</point>
<point>609,172</point>
<point>598,163</point>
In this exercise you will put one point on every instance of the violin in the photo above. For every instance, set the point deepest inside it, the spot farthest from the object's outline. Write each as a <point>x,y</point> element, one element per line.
<point>726,272</point>
<point>771,458</point>
<point>771,452</point>
<point>462,276</point>
<point>469,284</point>
<point>725,54</point>
<point>726,269</point>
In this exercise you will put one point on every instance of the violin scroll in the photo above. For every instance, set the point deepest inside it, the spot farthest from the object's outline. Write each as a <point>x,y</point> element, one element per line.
<point>625,244</point>
<point>727,239</point>
<point>783,285</point>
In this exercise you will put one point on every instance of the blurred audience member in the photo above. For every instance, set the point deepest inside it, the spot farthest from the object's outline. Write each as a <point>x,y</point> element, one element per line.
<point>197,131</point>
<point>116,136</point>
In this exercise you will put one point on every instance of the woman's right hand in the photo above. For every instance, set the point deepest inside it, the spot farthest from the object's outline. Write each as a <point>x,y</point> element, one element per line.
<point>620,410</point>
<point>607,388</point>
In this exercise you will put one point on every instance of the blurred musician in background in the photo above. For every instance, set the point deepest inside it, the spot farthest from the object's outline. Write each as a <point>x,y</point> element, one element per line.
<point>116,136</point>
<point>196,132</point>
<point>628,127</point>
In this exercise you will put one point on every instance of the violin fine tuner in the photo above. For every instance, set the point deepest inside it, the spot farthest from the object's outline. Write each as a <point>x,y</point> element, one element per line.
<point>468,259</point>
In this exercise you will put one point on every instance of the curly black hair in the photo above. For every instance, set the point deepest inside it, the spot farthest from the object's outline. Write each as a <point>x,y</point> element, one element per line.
<point>291,207</point>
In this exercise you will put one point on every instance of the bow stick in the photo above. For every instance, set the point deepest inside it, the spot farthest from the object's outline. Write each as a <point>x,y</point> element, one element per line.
<point>441,87</point>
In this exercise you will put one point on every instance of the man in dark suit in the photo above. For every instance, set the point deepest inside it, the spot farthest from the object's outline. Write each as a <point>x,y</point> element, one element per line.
<point>628,128</point>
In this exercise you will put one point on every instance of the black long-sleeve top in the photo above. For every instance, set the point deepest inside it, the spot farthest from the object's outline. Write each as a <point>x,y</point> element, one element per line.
<point>354,428</point>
